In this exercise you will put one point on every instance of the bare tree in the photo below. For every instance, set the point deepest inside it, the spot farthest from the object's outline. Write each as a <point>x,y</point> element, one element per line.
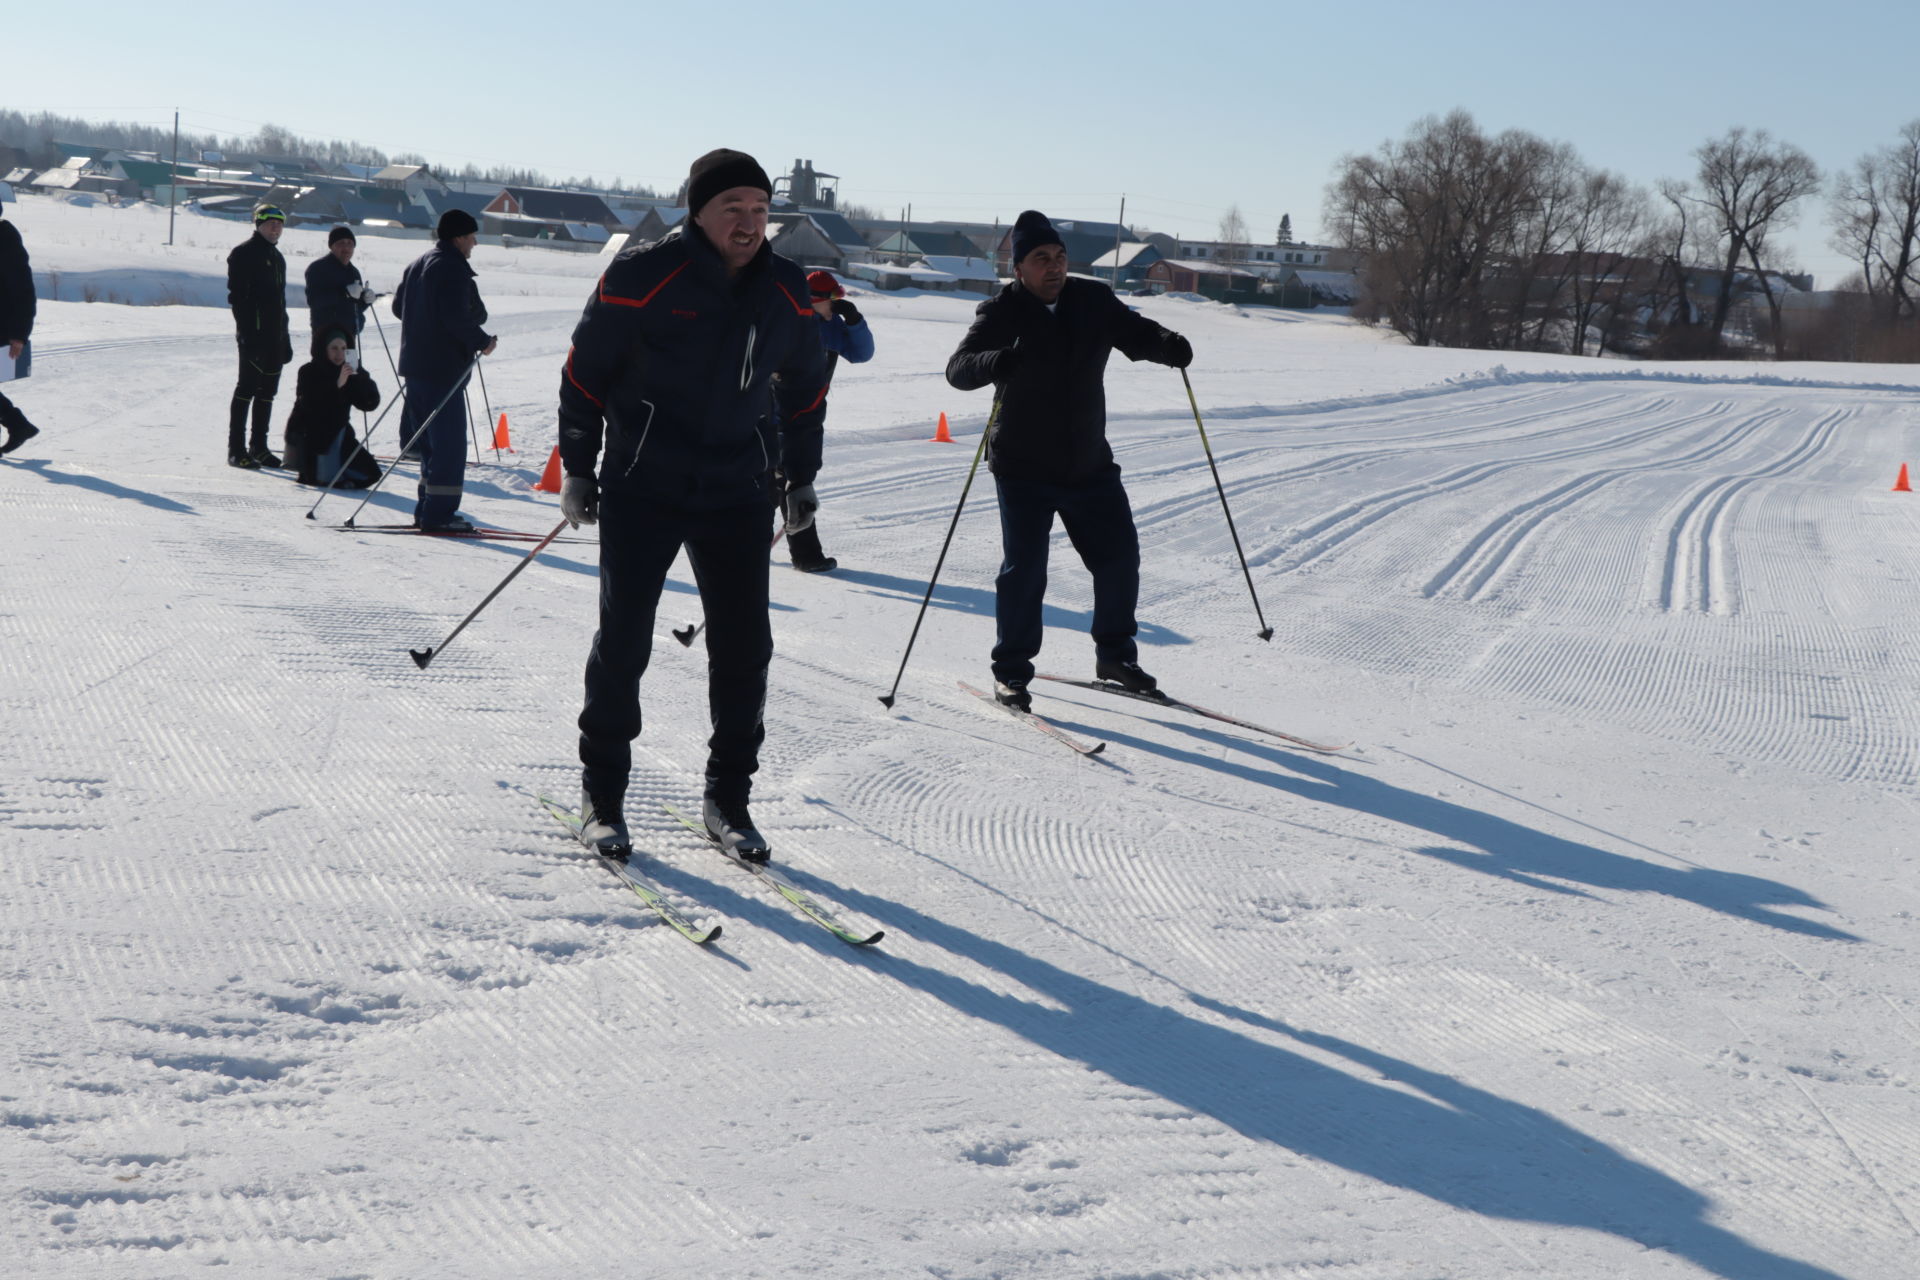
<point>1749,184</point>
<point>1876,217</point>
<point>1234,237</point>
<point>1608,222</point>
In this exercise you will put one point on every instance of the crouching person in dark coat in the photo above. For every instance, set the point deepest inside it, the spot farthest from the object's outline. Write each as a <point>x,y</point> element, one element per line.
<point>671,365</point>
<point>320,433</point>
<point>1043,342</point>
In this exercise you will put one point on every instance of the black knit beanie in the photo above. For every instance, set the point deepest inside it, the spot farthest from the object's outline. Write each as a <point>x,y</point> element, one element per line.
<point>455,223</point>
<point>1031,230</point>
<point>723,170</point>
<point>338,234</point>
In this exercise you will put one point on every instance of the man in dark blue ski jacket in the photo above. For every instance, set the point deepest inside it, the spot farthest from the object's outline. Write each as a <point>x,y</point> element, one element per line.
<point>440,315</point>
<point>668,440</point>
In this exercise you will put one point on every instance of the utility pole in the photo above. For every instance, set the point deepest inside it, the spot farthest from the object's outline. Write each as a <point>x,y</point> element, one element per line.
<point>1117,227</point>
<point>173,178</point>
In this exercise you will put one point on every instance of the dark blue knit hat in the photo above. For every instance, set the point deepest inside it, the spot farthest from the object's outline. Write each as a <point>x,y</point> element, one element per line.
<point>1031,230</point>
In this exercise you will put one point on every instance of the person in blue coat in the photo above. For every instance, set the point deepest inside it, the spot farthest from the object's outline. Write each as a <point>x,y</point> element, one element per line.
<point>668,440</point>
<point>843,332</point>
<point>440,315</point>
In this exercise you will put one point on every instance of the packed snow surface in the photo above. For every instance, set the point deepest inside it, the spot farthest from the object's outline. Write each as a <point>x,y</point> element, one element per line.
<point>1593,957</point>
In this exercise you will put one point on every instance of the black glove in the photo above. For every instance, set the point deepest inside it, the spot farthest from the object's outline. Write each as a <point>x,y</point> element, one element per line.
<point>846,311</point>
<point>1005,362</point>
<point>1176,351</point>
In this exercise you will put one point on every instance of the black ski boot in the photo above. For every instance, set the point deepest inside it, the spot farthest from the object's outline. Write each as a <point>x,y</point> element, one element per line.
<point>732,826</point>
<point>1013,693</point>
<point>602,828</point>
<point>19,431</point>
<point>1128,676</point>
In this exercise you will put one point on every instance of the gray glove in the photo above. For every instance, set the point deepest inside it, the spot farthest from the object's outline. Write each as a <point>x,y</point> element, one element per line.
<point>580,500</point>
<point>802,502</point>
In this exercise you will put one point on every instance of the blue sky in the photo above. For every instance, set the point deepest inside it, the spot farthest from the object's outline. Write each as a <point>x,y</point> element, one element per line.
<point>981,110</point>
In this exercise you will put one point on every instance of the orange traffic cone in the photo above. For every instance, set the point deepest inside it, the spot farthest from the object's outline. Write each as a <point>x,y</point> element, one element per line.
<point>501,439</point>
<point>941,436</point>
<point>1901,485</point>
<point>550,482</point>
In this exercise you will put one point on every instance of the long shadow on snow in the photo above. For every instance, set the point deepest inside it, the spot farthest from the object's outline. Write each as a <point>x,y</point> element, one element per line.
<point>44,469</point>
<point>980,601</point>
<point>1455,1144</point>
<point>1494,845</point>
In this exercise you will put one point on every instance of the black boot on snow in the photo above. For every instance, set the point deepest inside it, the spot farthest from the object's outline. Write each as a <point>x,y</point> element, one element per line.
<point>602,828</point>
<point>243,461</point>
<point>1128,676</point>
<point>263,456</point>
<point>1013,693</point>
<point>732,826</point>
<point>19,431</point>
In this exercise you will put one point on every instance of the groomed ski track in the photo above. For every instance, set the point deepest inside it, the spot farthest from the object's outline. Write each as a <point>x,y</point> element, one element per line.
<point>1596,958</point>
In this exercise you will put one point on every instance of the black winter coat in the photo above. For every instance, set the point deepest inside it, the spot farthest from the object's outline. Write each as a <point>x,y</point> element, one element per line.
<point>1052,388</point>
<point>322,409</point>
<point>16,286</point>
<point>328,306</point>
<point>675,362</point>
<point>257,293</point>
<point>440,315</point>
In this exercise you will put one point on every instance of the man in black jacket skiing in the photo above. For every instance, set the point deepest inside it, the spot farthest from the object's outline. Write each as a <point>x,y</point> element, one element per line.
<point>337,299</point>
<point>257,293</point>
<point>673,365</point>
<point>440,335</point>
<point>17,308</point>
<point>1043,343</point>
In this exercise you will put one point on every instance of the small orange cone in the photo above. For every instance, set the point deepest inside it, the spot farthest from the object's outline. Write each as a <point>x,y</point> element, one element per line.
<point>550,482</point>
<point>942,436</point>
<point>1901,485</point>
<point>502,440</point>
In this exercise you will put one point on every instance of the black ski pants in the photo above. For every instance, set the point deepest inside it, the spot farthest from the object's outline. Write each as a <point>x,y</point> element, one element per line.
<point>639,538</point>
<point>1099,523</point>
<point>258,384</point>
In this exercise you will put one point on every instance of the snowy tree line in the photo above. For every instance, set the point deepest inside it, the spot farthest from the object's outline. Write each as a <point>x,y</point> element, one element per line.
<point>1511,242</point>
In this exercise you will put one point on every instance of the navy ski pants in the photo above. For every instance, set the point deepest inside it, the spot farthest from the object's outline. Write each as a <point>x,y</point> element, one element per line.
<point>1099,523</point>
<point>727,548</point>
<point>442,446</point>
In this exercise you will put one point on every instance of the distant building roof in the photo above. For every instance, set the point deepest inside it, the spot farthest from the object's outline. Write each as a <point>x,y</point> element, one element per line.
<point>553,206</point>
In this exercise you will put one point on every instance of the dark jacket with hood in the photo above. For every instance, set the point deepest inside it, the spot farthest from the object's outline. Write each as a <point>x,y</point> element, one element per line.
<point>1049,369</point>
<point>328,306</point>
<point>674,364</point>
<point>440,315</point>
<point>322,408</point>
<point>257,293</point>
<point>16,286</point>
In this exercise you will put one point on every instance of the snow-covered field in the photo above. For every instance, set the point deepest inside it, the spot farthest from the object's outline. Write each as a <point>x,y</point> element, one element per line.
<point>1595,957</point>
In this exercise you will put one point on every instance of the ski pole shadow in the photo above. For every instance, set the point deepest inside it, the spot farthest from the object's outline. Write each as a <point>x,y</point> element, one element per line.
<point>979,601</point>
<point>1425,1131</point>
<point>1493,845</point>
<point>45,470</point>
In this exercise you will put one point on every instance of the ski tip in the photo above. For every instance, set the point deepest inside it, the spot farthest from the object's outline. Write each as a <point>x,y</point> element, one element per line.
<point>421,657</point>
<point>1097,748</point>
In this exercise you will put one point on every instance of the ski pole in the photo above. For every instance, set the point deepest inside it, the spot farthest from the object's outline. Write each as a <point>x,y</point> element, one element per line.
<point>686,634</point>
<point>360,446</point>
<point>487,401</point>
<point>421,657</point>
<point>986,435</point>
<point>375,312</point>
<point>409,442</point>
<point>1266,632</point>
<point>466,404</point>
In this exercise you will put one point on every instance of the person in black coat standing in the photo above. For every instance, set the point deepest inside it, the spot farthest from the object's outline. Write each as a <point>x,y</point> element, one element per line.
<point>1043,342</point>
<point>17,307</point>
<point>677,365</point>
<point>257,293</point>
<point>337,298</point>
<point>326,391</point>
<point>440,335</point>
